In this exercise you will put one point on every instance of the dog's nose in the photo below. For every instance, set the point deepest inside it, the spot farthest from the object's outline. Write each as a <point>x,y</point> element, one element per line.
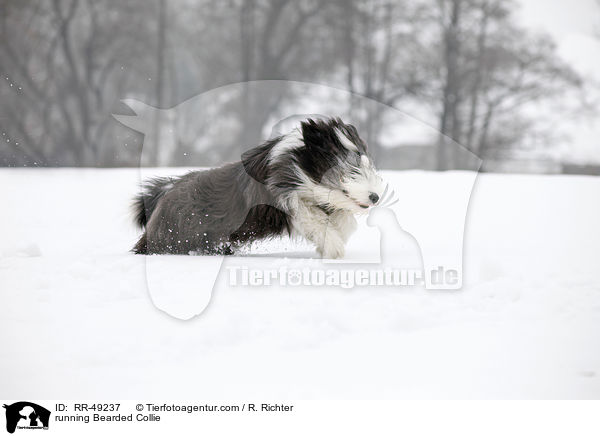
<point>373,197</point>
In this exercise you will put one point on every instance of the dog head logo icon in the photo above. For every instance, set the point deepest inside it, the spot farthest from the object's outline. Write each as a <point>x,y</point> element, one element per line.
<point>26,415</point>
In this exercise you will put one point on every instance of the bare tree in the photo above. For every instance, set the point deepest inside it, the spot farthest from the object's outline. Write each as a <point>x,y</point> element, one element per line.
<point>68,67</point>
<point>492,68</point>
<point>274,35</point>
<point>70,62</point>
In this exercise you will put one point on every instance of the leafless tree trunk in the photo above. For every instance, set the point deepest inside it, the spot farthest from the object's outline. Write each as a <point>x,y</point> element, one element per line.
<point>154,153</point>
<point>476,88</point>
<point>449,117</point>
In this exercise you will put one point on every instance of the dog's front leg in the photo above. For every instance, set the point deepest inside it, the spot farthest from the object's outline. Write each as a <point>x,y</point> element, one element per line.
<point>316,226</point>
<point>344,222</point>
<point>333,244</point>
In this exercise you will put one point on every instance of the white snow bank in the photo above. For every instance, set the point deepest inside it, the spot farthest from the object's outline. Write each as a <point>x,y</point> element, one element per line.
<point>77,321</point>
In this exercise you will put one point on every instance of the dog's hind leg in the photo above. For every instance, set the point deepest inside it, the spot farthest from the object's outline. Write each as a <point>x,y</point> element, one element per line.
<point>141,247</point>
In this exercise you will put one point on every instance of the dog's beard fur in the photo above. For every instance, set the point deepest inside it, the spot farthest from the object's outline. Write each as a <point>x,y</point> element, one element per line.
<point>309,182</point>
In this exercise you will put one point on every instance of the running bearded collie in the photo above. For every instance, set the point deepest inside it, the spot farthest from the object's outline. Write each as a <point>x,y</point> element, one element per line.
<point>309,183</point>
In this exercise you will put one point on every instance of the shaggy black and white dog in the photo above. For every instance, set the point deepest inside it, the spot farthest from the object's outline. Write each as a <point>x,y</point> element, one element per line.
<point>309,182</point>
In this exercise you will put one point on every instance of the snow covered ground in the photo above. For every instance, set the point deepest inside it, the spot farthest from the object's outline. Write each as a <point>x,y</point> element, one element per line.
<point>76,319</point>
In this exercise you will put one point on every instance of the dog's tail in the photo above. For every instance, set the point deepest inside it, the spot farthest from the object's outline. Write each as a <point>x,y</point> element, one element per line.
<point>145,202</point>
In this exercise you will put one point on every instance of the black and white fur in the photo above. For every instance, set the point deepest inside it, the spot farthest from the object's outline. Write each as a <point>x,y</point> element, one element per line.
<point>310,182</point>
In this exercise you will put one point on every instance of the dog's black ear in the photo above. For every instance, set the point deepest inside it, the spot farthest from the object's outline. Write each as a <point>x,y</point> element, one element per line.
<point>256,160</point>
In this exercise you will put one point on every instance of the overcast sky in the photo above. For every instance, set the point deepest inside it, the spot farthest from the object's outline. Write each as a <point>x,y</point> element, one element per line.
<point>574,24</point>
<point>561,17</point>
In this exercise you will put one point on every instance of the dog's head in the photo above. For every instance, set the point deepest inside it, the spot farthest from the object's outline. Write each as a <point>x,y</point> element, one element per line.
<point>337,162</point>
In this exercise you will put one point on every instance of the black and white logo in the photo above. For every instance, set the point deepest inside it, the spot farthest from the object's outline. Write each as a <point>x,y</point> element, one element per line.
<point>26,415</point>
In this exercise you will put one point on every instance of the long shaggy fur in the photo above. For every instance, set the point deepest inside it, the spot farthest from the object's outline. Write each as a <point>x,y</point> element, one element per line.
<point>309,182</point>
<point>145,202</point>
